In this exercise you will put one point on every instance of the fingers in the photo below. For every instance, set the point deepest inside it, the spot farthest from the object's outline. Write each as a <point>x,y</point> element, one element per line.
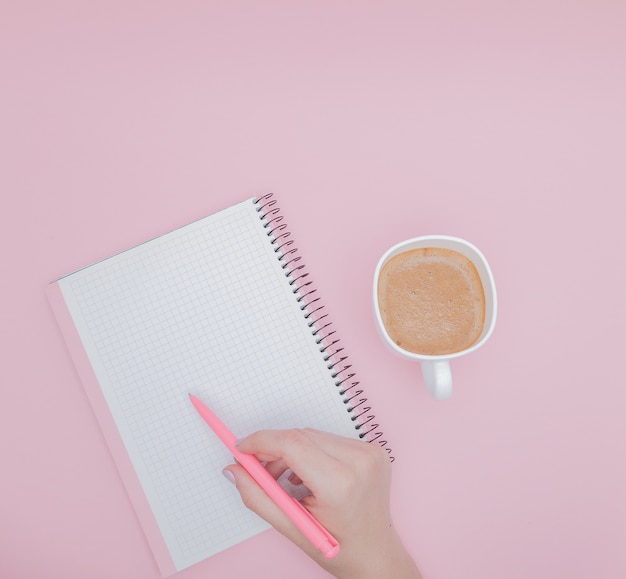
<point>253,495</point>
<point>297,449</point>
<point>315,455</point>
<point>255,499</point>
<point>276,467</point>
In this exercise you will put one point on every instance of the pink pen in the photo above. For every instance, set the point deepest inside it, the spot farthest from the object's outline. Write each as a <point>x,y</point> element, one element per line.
<point>303,519</point>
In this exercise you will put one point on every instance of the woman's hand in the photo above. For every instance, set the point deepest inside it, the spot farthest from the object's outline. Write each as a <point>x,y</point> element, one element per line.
<point>349,482</point>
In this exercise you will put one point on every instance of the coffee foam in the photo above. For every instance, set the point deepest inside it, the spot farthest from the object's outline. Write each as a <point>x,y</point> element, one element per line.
<point>431,301</point>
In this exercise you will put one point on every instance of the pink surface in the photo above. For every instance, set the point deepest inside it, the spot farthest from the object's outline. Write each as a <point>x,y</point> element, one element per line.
<point>503,123</point>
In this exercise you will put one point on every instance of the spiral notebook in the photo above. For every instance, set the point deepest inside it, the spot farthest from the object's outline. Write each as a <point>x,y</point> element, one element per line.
<point>225,309</point>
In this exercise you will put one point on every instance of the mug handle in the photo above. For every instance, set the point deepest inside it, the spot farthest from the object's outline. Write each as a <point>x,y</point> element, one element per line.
<point>438,378</point>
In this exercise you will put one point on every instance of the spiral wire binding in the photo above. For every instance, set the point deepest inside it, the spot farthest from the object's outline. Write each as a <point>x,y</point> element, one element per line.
<point>321,327</point>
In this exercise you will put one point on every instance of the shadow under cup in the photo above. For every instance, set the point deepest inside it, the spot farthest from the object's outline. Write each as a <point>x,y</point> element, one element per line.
<point>436,368</point>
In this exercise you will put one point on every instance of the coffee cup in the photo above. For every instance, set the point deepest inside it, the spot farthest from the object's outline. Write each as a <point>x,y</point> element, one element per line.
<point>434,300</point>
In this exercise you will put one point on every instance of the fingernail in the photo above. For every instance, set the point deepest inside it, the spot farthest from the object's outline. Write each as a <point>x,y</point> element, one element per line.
<point>229,476</point>
<point>238,441</point>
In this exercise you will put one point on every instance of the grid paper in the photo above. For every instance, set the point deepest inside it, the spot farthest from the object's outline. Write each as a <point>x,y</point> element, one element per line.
<point>205,309</point>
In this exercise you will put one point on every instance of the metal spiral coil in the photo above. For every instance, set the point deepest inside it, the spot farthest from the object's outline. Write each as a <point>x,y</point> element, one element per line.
<point>312,308</point>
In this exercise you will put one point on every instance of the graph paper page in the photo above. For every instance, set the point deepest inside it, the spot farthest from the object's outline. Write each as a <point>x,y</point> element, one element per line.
<point>205,309</point>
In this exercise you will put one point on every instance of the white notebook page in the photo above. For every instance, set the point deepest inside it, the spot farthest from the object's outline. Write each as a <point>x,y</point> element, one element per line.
<point>204,309</point>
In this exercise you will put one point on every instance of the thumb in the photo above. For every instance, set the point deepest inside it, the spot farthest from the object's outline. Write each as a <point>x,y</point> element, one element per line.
<point>255,499</point>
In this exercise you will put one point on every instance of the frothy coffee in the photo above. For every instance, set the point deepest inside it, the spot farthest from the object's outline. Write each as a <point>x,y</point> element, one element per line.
<point>431,301</point>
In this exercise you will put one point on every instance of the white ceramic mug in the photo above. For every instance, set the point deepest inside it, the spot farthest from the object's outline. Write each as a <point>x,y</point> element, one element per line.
<point>436,369</point>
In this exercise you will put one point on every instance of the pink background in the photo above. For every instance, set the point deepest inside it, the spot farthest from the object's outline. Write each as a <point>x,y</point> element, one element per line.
<point>500,122</point>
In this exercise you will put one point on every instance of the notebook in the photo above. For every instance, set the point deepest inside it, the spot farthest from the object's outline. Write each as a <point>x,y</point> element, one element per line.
<point>222,308</point>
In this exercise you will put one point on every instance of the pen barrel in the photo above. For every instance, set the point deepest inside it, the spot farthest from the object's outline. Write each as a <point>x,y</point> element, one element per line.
<point>306,523</point>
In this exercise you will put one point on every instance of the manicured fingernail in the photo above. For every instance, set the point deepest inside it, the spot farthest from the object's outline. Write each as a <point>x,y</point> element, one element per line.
<point>229,476</point>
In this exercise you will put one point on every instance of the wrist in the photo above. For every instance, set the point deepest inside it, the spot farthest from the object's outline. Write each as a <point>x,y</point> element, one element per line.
<point>388,560</point>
